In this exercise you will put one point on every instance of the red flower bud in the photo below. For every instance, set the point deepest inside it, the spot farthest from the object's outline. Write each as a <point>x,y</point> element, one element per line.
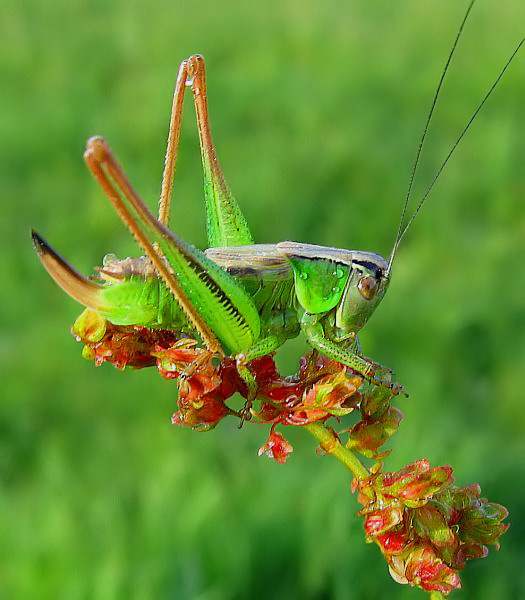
<point>367,436</point>
<point>276,447</point>
<point>331,394</point>
<point>428,571</point>
<point>416,482</point>
<point>393,542</point>
<point>380,521</point>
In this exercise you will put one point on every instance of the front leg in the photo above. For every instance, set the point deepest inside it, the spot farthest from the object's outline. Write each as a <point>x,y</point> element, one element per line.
<point>314,332</point>
<point>345,354</point>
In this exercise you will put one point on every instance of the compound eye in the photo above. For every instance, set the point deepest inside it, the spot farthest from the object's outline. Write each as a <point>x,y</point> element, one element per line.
<point>367,287</point>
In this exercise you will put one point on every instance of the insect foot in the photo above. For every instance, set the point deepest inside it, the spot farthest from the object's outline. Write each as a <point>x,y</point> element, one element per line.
<point>383,377</point>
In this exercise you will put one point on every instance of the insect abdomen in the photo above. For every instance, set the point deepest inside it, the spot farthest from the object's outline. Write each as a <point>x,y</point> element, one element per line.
<point>139,301</point>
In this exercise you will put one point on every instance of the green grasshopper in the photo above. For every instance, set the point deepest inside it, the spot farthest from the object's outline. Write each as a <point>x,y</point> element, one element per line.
<point>239,298</point>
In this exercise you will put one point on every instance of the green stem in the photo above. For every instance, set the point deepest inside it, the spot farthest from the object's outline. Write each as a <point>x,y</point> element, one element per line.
<point>331,445</point>
<point>436,596</point>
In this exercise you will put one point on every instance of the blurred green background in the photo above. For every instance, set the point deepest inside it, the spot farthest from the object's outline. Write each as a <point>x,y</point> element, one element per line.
<point>316,110</point>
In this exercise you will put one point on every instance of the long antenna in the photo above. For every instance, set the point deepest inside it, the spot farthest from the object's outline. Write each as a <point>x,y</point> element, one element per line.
<point>421,202</point>
<point>425,130</point>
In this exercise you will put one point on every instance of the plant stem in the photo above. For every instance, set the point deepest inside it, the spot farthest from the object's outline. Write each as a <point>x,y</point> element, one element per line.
<point>331,445</point>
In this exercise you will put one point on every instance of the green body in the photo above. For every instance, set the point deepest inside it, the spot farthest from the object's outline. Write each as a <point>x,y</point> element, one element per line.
<point>252,297</point>
<point>283,288</point>
<point>263,275</point>
<point>241,299</point>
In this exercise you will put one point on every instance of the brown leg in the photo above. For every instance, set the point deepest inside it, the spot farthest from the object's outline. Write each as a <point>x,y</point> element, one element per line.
<point>197,81</point>
<point>225,222</point>
<point>117,187</point>
<point>170,160</point>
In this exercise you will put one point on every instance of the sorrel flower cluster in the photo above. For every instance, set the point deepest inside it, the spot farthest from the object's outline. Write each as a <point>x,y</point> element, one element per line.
<point>426,527</point>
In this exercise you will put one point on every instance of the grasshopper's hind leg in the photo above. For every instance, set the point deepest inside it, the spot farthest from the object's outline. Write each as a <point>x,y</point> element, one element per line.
<point>225,223</point>
<point>217,305</point>
<point>137,218</point>
<point>172,148</point>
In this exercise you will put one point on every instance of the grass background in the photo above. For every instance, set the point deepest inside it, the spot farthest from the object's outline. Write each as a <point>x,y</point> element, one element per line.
<point>316,110</point>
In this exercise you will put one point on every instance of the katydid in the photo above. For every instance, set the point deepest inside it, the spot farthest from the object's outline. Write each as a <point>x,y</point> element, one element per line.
<point>239,298</point>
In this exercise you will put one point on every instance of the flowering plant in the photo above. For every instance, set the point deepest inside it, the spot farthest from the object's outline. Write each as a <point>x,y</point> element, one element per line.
<point>426,527</point>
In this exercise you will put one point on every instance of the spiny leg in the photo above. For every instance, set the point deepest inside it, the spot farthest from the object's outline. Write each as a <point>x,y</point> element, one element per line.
<point>170,160</point>
<point>349,356</point>
<point>114,182</point>
<point>225,223</point>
